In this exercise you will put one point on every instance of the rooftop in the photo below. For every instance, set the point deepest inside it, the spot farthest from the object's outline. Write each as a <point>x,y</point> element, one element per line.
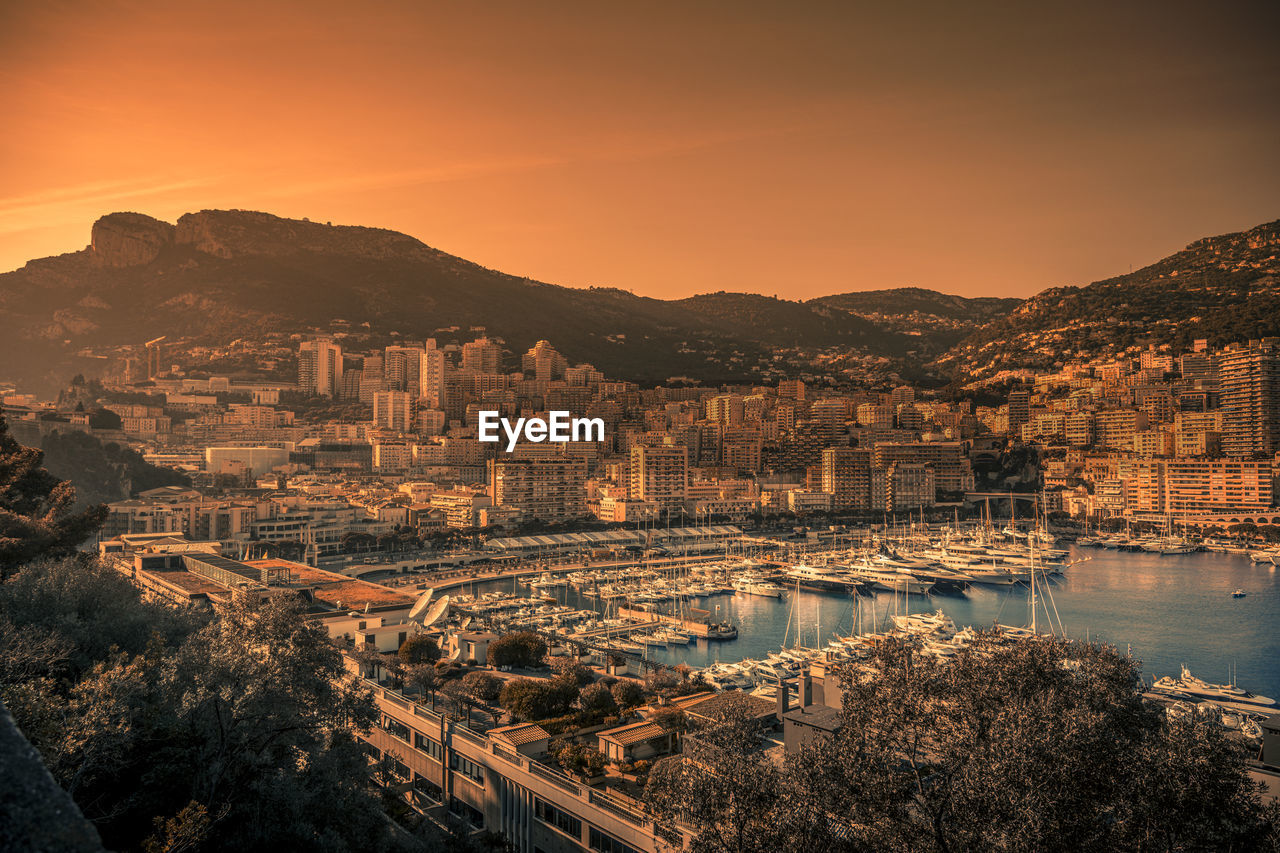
<point>521,734</point>
<point>634,733</point>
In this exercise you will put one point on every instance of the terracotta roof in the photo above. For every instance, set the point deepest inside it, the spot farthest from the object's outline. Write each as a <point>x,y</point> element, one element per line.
<point>521,734</point>
<point>634,733</point>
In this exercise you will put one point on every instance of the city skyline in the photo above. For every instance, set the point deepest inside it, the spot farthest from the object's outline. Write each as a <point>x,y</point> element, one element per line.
<point>693,151</point>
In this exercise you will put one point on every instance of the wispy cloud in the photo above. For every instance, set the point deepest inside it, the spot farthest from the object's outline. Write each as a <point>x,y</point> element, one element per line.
<point>69,205</point>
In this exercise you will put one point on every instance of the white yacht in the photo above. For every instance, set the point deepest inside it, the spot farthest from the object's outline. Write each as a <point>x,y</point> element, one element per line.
<point>758,586</point>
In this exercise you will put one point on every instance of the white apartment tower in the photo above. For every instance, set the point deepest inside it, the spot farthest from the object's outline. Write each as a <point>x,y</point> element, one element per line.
<point>319,367</point>
<point>431,375</point>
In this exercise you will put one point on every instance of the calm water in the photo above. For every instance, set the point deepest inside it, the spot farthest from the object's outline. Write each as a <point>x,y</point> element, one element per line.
<point>1166,610</point>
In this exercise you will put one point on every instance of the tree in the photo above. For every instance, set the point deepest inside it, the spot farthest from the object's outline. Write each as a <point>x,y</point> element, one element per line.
<point>596,701</point>
<point>104,419</point>
<point>419,648</point>
<point>723,787</point>
<point>627,694</point>
<point>425,678</point>
<point>572,671</point>
<point>520,648</point>
<point>1042,744</point>
<point>35,508</point>
<point>537,698</point>
<point>483,686</point>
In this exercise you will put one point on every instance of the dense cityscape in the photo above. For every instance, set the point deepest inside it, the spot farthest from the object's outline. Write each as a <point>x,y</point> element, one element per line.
<point>594,428</point>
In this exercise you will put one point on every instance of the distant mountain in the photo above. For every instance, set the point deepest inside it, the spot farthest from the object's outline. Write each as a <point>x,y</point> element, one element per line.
<point>1224,288</point>
<point>219,275</point>
<point>940,320</point>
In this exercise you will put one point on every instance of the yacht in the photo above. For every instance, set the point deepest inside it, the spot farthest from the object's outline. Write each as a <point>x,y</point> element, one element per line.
<point>758,586</point>
<point>1205,690</point>
<point>828,578</point>
<point>892,581</point>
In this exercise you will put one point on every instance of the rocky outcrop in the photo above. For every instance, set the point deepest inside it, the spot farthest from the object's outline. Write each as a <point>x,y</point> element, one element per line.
<point>128,239</point>
<point>238,233</point>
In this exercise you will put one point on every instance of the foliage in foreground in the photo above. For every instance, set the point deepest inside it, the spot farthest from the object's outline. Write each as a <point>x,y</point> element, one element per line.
<point>1033,746</point>
<point>220,733</point>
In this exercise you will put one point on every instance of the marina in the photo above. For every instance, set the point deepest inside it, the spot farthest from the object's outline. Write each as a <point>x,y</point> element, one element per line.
<point>1168,610</point>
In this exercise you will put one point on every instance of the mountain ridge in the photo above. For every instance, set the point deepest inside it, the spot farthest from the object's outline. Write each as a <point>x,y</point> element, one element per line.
<point>1224,288</point>
<point>214,276</point>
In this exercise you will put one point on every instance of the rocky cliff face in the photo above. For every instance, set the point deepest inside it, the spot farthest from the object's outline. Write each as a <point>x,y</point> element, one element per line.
<point>237,233</point>
<point>128,239</point>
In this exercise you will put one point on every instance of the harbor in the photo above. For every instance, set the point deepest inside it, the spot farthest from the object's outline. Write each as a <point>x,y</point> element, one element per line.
<point>1168,610</point>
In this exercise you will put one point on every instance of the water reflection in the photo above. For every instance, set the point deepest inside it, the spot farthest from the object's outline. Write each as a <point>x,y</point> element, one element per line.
<point>1168,610</point>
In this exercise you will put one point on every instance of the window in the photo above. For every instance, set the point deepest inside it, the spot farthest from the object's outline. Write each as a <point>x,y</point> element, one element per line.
<point>398,768</point>
<point>608,844</point>
<point>559,818</point>
<point>395,727</point>
<point>425,789</point>
<point>467,768</point>
<point>467,812</point>
<point>430,747</point>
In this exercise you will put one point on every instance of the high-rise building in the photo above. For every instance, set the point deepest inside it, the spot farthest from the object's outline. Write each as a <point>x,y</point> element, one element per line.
<point>660,474</point>
<point>393,410</point>
<point>791,389</point>
<point>1019,411</point>
<point>1249,379</point>
<point>482,356</point>
<point>726,409</point>
<point>846,476</point>
<point>431,376</point>
<point>372,373</point>
<point>551,488</point>
<point>543,363</point>
<point>320,367</point>
<point>401,367</point>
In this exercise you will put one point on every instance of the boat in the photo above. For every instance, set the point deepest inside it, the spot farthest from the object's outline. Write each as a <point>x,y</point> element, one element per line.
<point>1239,593</point>
<point>827,578</point>
<point>893,581</point>
<point>756,586</point>
<point>1205,690</point>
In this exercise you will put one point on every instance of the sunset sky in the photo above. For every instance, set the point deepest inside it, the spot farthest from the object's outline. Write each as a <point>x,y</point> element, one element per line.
<point>782,148</point>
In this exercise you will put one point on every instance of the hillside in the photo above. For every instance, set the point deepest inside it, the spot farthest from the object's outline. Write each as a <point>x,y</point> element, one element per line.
<point>216,276</point>
<point>940,320</point>
<point>1224,288</point>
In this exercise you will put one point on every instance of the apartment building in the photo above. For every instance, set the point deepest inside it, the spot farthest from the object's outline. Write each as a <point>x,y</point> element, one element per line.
<point>660,474</point>
<point>546,488</point>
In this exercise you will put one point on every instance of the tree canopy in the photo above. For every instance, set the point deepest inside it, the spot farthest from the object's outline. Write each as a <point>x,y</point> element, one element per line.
<point>1036,745</point>
<point>36,518</point>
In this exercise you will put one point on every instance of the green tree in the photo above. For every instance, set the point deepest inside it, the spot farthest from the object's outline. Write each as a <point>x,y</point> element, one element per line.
<point>483,686</point>
<point>723,787</point>
<point>104,419</point>
<point>627,694</point>
<point>596,701</point>
<point>1034,745</point>
<point>35,508</point>
<point>520,648</point>
<point>537,698</point>
<point>419,649</point>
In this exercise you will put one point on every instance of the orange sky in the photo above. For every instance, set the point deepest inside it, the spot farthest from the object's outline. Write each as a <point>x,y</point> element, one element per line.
<point>980,149</point>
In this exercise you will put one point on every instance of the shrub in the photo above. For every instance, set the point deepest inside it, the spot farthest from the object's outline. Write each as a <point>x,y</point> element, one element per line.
<point>536,699</point>
<point>419,649</point>
<point>627,694</point>
<point>521,648</point>
<point>482,686</point>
